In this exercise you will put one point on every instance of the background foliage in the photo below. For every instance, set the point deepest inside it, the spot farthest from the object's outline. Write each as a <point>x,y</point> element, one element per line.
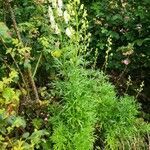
<point>128,25</point>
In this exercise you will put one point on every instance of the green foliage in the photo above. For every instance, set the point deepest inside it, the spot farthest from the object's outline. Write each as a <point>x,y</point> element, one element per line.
<point>127,23</point>
<point>8,95</point>
<point>4,32</point>
<point>87,99</point>
<point>49,96</point>
<point>74,122</point>
<point>118,122</point>
<point>10,122</point>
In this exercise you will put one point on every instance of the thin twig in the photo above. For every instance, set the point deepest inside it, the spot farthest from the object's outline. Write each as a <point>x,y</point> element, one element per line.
<point>19,38</point>
<point>33,85</point>
<point>18,68</point>
<point>13,19</point>
<point>37,65</point>
<point>122,73</point>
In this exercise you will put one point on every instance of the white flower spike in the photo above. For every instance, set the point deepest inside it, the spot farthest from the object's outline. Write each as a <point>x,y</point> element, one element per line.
<point>59,8</point>
<point>51,17</point>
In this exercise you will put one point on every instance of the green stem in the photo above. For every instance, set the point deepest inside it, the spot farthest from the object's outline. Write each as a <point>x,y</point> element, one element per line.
<point>120,76</point>
<point>77,37</point>
<point>37,65</point>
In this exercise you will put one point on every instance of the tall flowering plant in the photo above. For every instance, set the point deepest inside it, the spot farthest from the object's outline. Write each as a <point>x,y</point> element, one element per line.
<point>70,24</point>
<point>74,118</point>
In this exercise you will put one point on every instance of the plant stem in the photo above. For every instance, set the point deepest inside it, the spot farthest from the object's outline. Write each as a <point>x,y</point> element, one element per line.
<point>13,19</point>
<point>33,85</point>
<point>19,38</point>
<point>24,82</point>
<point>120,76</point>
<point>18,68</point>
<point>37,65</point>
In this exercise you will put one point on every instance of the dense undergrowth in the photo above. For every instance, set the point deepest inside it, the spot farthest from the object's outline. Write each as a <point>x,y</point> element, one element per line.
<point>127,22</point>
<point>49,96</point>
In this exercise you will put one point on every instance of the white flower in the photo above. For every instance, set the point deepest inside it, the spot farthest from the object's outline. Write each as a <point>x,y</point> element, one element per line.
<point>45,119</point>
<point>57,30</point>
<point>59,11</point>
<point>84,13</point>
<point>59,8</point>
<point>69,32</point>
<point>54,3</point>
<point>60,4</point>
<point>82,6</point>
<point>51,17</point>
<point>66,16</point>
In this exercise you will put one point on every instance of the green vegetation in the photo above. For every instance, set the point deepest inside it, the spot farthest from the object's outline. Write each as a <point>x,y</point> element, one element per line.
<point>127,24</point>
<point>52,94</point>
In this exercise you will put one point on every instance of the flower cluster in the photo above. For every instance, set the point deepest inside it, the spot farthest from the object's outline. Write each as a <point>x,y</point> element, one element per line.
<point>67,15</point>
<point>52,21</point>
<point>126,61</point>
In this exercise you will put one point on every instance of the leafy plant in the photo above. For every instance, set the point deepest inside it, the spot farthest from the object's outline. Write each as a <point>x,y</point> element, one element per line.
<point>50,96</point>
<point>88,100</point>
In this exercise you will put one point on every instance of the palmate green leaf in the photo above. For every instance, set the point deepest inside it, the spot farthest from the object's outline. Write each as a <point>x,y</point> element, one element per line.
<point>8,94</point>
<point>4,32</point>
<point>25,135</point>
<point>37,137</point>
<point>37,123</point>
<point>19,122</point>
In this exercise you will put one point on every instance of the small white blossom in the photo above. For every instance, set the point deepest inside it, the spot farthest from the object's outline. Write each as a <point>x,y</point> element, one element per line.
<point>45,119</point>
<point>84,13</point>
<point>54,3</point>
<point>57,30</point>
<point>59,8</point>
<point>51,17</point>
<point>60,4</point>
<point>66,16</point>
<point>59,11</point>
<point>69,32</point>
<point>82,6</point>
